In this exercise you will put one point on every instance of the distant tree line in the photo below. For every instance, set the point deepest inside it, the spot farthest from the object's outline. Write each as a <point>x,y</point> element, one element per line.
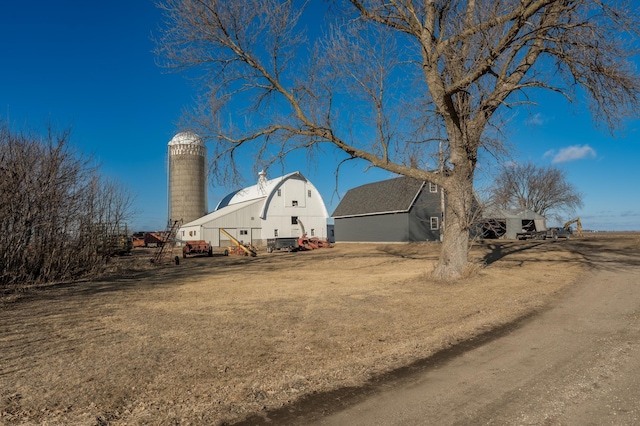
<point>55,209</point>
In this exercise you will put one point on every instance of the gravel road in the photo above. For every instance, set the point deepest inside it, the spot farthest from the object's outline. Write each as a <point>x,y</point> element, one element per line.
<point>577,363</point>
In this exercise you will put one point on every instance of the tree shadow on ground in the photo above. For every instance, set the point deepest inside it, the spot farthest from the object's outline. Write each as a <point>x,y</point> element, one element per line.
<point>599,253</point>
<point>603,255</point>
<point>130,276</point>
<point>499,249</point>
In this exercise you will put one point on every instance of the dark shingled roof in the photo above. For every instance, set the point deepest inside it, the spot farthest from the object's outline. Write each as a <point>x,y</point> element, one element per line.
<point>393,195</point>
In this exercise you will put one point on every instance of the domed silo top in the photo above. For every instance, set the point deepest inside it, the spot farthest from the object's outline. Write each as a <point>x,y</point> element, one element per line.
<point>187,143</point>
<point>186,138</point>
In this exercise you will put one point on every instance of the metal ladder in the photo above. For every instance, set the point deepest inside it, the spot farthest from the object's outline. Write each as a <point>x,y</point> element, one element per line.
<point>163,252</point>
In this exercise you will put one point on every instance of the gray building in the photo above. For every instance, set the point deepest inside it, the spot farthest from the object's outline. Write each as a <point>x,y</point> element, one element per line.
<point>507,223</point>
<point>395,210</point>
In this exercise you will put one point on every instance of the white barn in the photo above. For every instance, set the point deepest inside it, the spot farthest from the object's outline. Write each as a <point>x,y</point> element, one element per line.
<point>283,207</point>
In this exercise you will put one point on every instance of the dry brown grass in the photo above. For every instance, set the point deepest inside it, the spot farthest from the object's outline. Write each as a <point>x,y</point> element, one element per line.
<point>218,339</point>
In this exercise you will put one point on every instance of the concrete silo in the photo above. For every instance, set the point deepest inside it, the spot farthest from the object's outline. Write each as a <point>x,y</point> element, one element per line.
<point>187,177</point>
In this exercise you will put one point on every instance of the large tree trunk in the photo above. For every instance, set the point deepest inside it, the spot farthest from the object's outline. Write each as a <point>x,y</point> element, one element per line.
<point>455,246</point>
<point>458,217</point>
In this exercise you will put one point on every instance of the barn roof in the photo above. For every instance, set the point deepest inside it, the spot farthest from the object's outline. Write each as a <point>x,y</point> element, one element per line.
<point>264,188</point>
<point>216,214</point>
<point>262,192</point>
<point>388,196</point>
<point>496,213</point>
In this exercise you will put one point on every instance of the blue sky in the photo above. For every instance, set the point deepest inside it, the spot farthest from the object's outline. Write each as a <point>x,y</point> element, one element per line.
<point>89,66</point>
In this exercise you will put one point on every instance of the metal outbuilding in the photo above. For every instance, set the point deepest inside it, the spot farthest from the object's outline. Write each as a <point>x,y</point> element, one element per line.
<point>507,223</point>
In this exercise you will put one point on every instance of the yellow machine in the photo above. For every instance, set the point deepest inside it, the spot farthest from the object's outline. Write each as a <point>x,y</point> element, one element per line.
<point>239,248</point>
<point>567,226</point>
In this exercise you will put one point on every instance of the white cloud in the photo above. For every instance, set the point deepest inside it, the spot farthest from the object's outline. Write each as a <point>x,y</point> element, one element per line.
<point>571,153</point>
<point>537,120</point>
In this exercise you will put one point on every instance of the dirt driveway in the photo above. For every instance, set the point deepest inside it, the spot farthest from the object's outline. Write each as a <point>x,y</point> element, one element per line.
<point>575,364</point>
<point>218,340</point>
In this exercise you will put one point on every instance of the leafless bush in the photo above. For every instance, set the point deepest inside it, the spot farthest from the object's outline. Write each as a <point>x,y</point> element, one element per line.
<point>52,200</point>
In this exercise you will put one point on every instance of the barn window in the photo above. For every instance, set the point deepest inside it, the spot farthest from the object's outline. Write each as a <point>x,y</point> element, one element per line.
<point>294,203</point>
<point>309,193</point>
<point>434,223</point>
<point>313,232</point>
<point>244,232</point>
<point>294,220</point>
<point>275,232</point>
<point>279,192</point>
<point>433,187</point>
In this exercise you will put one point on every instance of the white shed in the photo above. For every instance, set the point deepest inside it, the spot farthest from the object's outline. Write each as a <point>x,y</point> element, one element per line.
<point>283,207</point>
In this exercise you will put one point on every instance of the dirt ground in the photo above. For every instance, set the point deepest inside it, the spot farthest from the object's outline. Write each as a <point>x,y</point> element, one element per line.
<point>575,363</point>
<point>217,340</point>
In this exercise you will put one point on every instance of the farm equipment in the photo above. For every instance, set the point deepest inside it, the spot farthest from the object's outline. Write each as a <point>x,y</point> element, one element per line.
<point>138,239</point>
<point>313,243</point>
<point>155,239</point>
<point>164,251</point>
<point>112,239</point>
<point>284,244</point>
<point>196,247</point>
<point>310,243</point>
<point>532,235</point>
<point>239,248</point>
<point>567,226</point>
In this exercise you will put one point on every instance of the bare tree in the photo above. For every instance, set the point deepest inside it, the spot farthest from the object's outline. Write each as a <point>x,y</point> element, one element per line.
<point>52,198</point>
<point>388,81</point>
<point>544,190</point>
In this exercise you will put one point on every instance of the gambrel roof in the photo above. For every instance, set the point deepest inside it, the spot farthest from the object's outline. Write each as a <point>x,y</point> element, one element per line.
<point>263,190</point>
<point>389,196</point>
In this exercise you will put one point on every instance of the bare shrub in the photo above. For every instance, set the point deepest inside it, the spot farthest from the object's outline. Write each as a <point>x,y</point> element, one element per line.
<point>52,200</point>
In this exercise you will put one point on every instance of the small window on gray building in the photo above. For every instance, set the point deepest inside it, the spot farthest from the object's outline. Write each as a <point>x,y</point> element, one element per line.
<point>434,223</point>
<point>433,187</point>
<point>294,220</point>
